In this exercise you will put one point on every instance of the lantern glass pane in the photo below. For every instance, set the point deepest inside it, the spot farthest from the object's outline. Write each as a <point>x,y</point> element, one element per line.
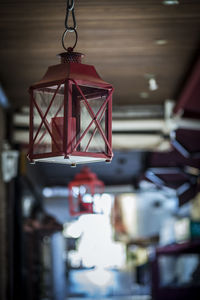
<point>48,115</point>
<point>85,111</point>
<point>82,200</point>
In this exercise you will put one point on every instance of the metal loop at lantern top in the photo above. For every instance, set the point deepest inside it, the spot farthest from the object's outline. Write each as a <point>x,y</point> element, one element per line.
<point>63,39</point>
<point>70,28</point>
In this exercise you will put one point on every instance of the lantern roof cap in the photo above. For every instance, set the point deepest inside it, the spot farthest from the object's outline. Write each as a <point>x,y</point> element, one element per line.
<point>69,70</point>
<point>86,176</point>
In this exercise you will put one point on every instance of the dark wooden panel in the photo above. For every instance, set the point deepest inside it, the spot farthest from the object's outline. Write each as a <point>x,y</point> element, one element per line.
<point>118,37</point>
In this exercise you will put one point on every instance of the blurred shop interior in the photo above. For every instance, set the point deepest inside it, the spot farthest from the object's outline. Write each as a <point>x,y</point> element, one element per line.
<point>137,235</point>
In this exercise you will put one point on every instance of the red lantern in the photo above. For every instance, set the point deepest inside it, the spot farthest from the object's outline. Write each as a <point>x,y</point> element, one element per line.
<point>71,114</point>
<point>82,191</point>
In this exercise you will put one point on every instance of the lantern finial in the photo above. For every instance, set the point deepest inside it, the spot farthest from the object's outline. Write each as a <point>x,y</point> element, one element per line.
<point>71,57</point>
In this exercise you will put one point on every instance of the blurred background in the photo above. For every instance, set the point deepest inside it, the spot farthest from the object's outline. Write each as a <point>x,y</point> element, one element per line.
<point>141,240</point>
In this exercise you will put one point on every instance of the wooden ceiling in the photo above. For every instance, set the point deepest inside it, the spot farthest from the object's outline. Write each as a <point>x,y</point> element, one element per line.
<point>125,40</point>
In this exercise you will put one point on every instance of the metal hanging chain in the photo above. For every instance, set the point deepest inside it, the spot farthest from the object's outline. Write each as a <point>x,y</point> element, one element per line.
<point>70,9</point>
<point>70,28</point>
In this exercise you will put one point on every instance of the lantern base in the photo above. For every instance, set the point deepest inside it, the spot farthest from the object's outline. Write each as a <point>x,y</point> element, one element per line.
<point>70,160</point>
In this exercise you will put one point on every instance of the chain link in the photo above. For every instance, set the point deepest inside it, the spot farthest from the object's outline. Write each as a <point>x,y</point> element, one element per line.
<point>70,9</point>
<point>70,28</point>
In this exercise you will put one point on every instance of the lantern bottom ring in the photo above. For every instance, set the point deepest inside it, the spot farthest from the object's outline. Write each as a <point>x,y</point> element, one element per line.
<point>69,160</point>
<point>73,165</point>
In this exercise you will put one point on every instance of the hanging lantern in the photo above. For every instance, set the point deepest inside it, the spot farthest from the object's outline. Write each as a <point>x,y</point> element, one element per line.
<point>82,191</point>
<point>70,111</point>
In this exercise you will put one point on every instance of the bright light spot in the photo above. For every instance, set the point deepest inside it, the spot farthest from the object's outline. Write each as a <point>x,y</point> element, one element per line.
<point>182,229</point>
<point>78,190</point>
<point>87,198</point>
<point>171,204</point>
<point>96,246</point>
<point>170,2</point>
<point>55,192</point>
<point>100,277</point>
<point>27,204</point>
<point>3,98</point>
<point>47,192</point>
<point>129,209</point>
<point>75,258</point>
<point>75,191</point>
<point>161,42</point>
<point>82,190</point>
<point>153,86</point>
<point>73,230</point>
<point>103,203</point>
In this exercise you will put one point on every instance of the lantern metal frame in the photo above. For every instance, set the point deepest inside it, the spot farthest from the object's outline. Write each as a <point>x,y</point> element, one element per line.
<point>71,72</point>
<point>88,179</point>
